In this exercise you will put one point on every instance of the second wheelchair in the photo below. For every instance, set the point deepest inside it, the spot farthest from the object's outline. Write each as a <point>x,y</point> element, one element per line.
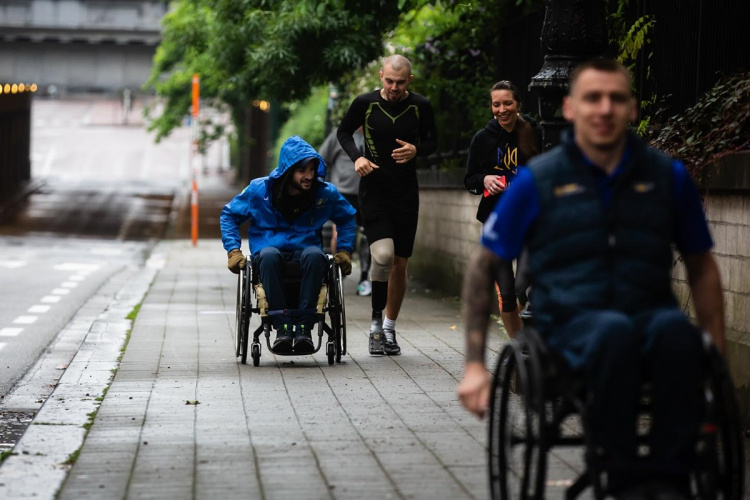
<point>538,404</point>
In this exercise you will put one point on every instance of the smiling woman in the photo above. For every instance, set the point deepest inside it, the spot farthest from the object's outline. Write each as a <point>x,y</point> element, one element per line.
<point>507,142</point>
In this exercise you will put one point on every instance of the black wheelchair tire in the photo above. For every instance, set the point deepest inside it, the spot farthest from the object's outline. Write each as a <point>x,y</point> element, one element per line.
<point>721,470</point>
<point>246,313</point>
<point>516,392</point>
<point>330,352</point>
<point>341,336</point>
<point>238,317</point>
<point>256,354</point>
<point>337,312</point>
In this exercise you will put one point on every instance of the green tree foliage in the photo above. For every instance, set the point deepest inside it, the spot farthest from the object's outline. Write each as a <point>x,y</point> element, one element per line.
<point>632,41</point>
<point>452,47</point>
<point>262,49</point>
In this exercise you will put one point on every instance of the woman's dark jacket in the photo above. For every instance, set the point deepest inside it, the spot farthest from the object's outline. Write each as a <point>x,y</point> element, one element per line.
<point>494,151</point>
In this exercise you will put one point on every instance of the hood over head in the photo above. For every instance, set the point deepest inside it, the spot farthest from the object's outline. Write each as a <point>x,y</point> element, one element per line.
<point>295,151</point>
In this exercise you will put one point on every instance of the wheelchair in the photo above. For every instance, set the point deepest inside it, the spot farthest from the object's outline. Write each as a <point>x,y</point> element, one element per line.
<point>537,404</point>
<point>330,302</point>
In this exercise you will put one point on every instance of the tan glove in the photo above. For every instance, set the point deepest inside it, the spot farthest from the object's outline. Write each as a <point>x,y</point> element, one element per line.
<point>344,260</point>
<point>236,261</point>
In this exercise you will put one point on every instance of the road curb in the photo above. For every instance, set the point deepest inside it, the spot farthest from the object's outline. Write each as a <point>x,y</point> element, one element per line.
<point>97,333</point>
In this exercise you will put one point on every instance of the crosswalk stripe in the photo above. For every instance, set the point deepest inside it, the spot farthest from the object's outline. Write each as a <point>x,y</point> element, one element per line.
<point>24,320</point>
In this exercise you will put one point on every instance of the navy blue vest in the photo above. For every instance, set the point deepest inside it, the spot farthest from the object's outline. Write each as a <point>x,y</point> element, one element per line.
<point>583,256</point>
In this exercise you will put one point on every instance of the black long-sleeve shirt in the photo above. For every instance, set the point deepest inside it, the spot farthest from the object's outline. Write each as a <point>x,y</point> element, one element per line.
<point>411,120</point>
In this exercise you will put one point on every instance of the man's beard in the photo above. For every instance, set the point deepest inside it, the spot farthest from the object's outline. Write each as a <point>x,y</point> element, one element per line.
<point>299,187</point>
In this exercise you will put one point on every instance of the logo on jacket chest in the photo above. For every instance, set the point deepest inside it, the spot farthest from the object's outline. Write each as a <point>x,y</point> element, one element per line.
<point>569,189</point>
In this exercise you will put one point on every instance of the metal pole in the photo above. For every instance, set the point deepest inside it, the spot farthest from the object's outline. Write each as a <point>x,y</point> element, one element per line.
<point>194,190</point>
<point>573,31</point>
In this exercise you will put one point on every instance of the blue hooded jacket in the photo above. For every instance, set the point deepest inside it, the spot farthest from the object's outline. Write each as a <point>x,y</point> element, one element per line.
<point>269,228</point>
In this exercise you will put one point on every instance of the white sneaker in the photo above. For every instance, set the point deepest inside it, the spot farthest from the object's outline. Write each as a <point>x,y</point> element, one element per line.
<point>364,288</point>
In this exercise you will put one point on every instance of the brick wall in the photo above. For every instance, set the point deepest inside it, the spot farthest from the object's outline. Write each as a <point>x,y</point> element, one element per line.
<point>729,219</point>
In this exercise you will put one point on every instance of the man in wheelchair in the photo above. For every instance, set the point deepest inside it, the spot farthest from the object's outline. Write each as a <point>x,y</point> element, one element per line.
<point>287,211</point>
<point>598,215</point>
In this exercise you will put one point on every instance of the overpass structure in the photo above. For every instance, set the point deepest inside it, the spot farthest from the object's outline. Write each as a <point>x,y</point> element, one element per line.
<point>69,46</point>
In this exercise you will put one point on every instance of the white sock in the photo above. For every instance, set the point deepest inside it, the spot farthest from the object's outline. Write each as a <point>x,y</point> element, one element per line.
<point>389,324</point>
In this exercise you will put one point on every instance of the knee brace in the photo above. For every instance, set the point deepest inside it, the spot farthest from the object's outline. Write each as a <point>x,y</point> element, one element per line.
<point>382,252</point>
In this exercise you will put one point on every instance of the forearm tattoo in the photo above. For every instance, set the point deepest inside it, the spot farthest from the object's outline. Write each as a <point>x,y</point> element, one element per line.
<point>477,300</point>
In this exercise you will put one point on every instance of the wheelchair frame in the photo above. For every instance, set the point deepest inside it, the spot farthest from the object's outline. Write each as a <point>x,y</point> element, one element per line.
<point>330,301</point>
<point>533,394</point>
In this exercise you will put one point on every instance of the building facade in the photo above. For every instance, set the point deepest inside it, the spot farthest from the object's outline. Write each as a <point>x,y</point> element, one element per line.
<point>68,46</point>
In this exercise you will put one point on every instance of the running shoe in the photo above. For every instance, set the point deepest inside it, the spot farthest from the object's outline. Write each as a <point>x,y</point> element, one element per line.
<point>391,346</point>
<point>376,336</point>
<point>364,288</point>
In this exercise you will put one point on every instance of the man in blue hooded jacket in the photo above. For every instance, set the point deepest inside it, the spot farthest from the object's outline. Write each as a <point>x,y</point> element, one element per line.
<point>286,211</point>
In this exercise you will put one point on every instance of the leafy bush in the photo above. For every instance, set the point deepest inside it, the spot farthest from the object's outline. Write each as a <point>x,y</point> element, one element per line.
<point>717,125</point>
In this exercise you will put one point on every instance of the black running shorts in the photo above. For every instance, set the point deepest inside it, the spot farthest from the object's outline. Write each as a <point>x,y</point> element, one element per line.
<point>385,218</point>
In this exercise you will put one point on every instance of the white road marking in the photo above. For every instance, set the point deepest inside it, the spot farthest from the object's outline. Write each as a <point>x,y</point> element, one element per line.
<point>39,309</point>
<point>10,332</point>
<point>69,284</point>
<point>54,299</point>
<point>77,277</point>
<point>24,320</point>
<point>1,346</point>
<point>75,266</point>
<point>61,291</point>
<point>12,264</point>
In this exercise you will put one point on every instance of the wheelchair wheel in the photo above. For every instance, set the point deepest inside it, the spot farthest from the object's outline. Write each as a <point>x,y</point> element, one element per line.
<point>238,317</point>
<point>517,449</point>
<point>721,463</point>
<point>256,354</point>
<point>331,352</point>
<point>244,312</point>
<point>338,317</point>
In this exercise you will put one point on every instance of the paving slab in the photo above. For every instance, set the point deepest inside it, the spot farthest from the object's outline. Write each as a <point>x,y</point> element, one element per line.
<point>182,418</point>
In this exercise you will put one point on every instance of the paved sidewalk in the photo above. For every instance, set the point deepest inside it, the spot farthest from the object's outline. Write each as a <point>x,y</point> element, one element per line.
<point>183,419</point>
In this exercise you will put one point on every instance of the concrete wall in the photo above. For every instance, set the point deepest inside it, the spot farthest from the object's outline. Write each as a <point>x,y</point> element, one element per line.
<point>448,233</point>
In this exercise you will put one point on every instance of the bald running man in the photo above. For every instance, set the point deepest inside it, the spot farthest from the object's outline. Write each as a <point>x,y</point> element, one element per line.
<point>399,125</point>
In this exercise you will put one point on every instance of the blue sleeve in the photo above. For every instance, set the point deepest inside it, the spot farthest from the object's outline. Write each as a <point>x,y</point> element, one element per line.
<point>505,230</point>
<point>232,216</point>
<point>691,229</point>
<point>343,217</point>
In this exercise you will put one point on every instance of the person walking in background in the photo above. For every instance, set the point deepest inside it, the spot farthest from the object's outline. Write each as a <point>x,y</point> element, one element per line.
<point>341,174</point>
<point>398,126</point>
<point>496,151</point>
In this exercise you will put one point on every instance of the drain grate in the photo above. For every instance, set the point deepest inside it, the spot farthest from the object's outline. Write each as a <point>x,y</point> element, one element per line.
<point>12,426</point>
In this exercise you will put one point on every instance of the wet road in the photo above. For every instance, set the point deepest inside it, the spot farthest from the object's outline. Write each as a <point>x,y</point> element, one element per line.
<point>103,194</point>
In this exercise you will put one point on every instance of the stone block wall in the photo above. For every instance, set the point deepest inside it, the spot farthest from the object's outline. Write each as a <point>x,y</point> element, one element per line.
<point>448,233</point>
<point>728,215</point>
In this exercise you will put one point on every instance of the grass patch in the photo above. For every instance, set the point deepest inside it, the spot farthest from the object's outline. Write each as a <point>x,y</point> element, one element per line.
<point>72,458</point>
<point>104,393</point>
<point>6,454</point>
<point>134,313</point>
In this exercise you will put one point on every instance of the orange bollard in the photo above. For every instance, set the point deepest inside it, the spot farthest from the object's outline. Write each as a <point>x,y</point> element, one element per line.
<point>194,213</point>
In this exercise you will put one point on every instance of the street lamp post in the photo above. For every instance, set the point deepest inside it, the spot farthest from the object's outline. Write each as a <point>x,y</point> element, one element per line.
<point>573,31</point>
